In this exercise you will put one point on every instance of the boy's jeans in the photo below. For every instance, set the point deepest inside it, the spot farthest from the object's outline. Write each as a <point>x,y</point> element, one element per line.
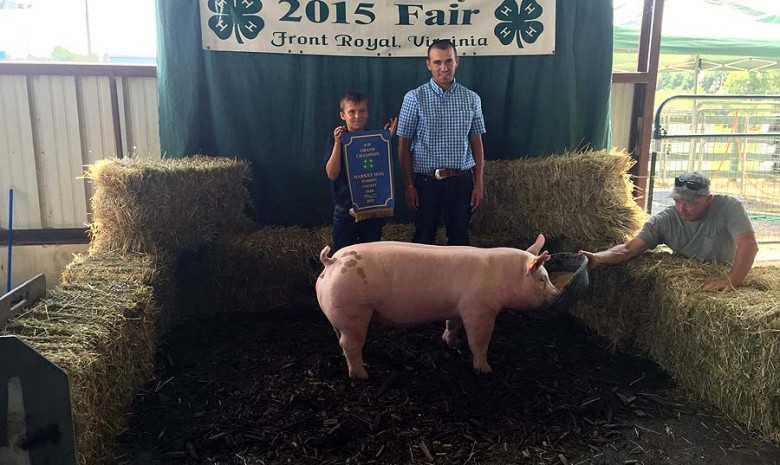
<point>347,232</point>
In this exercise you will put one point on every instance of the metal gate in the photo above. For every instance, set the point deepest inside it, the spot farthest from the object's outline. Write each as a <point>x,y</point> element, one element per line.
<point>733,139</point>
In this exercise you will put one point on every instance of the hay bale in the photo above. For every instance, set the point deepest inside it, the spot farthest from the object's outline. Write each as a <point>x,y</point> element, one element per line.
<point>99,327</point>
<point>157,271</point>
<point>144,205</point>
<point>270,267</point>
<point>403,232</point>
<point>613,305</point>
<point>724,348</point>
<point>400,232</point>
<point>578,200</point>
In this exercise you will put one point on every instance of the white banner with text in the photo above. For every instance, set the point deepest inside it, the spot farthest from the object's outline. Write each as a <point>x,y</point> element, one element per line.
<point>384,28</point>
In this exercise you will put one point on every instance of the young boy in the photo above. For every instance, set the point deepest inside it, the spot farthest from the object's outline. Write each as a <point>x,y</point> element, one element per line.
<point>346,231</point>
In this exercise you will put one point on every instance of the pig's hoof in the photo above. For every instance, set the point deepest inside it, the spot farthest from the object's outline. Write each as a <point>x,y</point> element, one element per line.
<point>483,369</point>
<point>452,342</point>
<point>359,374</point>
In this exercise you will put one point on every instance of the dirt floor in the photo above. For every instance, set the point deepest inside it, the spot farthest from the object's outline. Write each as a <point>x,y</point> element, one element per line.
<point>273,389</point>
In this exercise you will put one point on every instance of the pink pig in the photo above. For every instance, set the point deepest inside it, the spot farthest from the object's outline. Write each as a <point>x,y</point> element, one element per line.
<point>404,284</point>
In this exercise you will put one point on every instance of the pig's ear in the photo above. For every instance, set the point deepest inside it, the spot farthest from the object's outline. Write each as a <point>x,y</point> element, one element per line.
<point>536,262</point>
<point>537,246</point>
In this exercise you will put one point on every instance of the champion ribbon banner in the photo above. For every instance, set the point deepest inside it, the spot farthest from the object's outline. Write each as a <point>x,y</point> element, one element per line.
<point>384,29</point>
<point>369,172</point>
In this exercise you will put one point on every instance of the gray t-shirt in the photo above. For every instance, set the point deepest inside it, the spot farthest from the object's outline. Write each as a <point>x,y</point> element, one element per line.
<point>709,239</point>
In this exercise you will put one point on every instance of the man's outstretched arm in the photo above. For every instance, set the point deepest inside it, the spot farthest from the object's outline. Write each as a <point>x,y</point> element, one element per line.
<point>616,255</point>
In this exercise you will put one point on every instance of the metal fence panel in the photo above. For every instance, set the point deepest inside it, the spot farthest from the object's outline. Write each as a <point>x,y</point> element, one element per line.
<point>58,151</point>
<point>143,128</point>
<point>96,122</point>
<point>17,156</point>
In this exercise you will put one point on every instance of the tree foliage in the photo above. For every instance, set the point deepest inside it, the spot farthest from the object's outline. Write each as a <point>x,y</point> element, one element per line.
<point>675,80</point>
<point>711,82</point>
<point>719,81</point>
<point>63,54</point>
<point>753,82</point>
<point>60,53</point>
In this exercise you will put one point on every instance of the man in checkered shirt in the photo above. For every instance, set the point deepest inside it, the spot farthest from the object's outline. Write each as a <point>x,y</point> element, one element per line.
<point>440,129</point>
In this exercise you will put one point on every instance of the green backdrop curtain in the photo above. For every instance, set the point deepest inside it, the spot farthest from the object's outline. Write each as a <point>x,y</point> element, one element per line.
<point>277,111</point>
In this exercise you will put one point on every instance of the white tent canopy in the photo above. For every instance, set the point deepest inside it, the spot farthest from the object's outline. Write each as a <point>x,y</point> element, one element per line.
<point>703,34</point>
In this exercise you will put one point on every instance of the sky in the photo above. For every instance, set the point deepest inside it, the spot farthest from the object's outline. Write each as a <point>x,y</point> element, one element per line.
<point>117,27</point>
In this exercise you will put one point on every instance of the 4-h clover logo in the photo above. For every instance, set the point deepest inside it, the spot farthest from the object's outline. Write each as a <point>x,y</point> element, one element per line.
<point>238,15</point>
<point>518,22</point>
<point>368,164</point>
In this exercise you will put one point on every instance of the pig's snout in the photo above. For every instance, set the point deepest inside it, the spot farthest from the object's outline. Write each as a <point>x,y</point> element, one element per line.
<point>550,292</point>
<point>553,294</point>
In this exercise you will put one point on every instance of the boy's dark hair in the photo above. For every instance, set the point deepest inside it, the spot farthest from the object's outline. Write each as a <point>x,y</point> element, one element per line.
<point>442,44</point>
<point>354,96</point>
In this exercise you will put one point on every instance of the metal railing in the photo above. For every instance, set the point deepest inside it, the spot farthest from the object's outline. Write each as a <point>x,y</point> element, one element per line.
<point>733,139</point>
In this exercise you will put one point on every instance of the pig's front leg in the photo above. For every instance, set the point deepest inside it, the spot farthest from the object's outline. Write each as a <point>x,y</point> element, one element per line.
<point>451,331</point>
<point>479,328</point>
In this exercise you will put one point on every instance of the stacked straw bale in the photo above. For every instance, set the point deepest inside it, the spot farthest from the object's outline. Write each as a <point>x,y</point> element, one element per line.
<point>268,268</point>
<point>142,205</point>
<point>403,232</point>
<point>577,200</point>
<point>101,324</point>
<point>722,347</point>
<point>98,325</point>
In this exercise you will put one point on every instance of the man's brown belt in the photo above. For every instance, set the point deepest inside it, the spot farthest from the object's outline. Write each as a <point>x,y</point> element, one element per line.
<point>444,173</point>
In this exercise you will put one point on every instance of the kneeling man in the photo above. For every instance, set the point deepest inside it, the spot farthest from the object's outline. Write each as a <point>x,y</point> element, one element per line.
<point>700,225</point>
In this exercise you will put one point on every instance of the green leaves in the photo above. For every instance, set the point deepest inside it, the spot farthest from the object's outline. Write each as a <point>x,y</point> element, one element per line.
<point>518,22</point>
<point>239,16</point>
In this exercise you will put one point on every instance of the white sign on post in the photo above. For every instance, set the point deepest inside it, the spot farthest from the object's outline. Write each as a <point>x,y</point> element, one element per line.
<point>384,29</point>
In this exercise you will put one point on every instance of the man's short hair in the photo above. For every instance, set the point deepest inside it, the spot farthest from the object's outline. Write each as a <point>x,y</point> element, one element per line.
<point>354,96</point>
<point>442,44</point>
<point>691,186</point>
